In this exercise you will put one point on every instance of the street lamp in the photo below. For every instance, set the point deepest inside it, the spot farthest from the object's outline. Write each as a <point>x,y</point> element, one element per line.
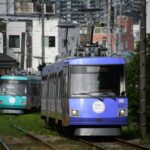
<point>67,26</point>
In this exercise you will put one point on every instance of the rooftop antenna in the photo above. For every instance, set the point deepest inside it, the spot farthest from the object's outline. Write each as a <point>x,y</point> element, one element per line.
<point>91,25</point>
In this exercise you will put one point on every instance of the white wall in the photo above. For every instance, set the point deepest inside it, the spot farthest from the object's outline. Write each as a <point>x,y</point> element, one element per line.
<point>148,16</point>
<point>52,29</point>
<point>1,43</point>
<point>136,32</point>
<point>73,39</point>
<point>15,28</point>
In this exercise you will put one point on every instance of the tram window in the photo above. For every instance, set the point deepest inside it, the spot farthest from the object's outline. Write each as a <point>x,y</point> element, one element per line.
<point>58,88</point>
<point>102,79</point>
<point>52,87</point>
<point>55,84</point>
<point>49,87</point>
<point>61,84</point>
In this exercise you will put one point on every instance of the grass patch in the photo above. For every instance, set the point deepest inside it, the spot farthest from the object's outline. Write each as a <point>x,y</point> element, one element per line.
<point>30,122</point>
<point>131,131</point>
<point>5,128</point>
<point>146,140</point>
<point>33,122</point>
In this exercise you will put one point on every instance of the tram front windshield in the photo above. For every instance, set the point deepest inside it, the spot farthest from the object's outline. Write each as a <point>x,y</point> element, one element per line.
<point>103,80</point>
<point>13,87</point>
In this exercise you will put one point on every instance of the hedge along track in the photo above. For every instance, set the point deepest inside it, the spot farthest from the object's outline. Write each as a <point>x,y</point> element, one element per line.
<point>34,137</point>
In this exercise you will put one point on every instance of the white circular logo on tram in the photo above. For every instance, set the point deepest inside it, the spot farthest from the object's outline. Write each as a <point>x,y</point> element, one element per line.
<point>98,107</point>
<point>12,100</point>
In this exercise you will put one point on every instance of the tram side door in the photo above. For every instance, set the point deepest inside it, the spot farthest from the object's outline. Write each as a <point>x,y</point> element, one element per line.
<point>65,103</point>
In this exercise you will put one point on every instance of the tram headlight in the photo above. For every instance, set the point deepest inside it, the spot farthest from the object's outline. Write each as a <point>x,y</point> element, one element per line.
<point>1,102</point>
<point>123,112</point>
<point>74,113</point>
<point>24,102</point>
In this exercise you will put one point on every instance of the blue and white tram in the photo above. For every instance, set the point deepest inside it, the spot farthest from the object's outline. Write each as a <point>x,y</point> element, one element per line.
<point>86,94</point>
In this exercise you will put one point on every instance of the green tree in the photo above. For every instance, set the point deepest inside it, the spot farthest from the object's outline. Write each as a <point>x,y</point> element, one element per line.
<point>133,84</point>
<point>148,80</point>
<point>132,76</point>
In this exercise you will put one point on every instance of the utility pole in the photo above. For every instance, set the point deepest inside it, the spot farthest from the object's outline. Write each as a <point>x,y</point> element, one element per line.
<point>114,30</point>
<point>108,27</point>
<point>120,30</point>
<point>43,40</point>
<point>143,125</point>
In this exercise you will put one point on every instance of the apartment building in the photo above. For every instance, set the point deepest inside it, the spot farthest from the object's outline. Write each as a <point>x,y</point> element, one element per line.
<point>122,37</point>
<point>23,34</point>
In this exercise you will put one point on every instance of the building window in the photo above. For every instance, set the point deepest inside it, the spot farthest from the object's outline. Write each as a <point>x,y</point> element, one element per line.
<point>126,44</point>
<point>104,40</point>
<point>51,41</point>
<point>50,8</point>
<point>104,30</point>
<point>97,30</point>
<point>14,41</point>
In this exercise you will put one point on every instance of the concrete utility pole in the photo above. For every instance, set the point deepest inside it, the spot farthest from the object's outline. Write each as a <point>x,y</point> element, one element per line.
<point>43,40</point>
<point>108,27</point>
<point>143,125</point>
<point>115,30</point>
<point>120,30</point>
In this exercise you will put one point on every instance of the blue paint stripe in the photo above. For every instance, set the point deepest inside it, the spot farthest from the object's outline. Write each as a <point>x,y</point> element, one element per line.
<point>97,61</point>
<point>103,121</point>
<point>99,123</point>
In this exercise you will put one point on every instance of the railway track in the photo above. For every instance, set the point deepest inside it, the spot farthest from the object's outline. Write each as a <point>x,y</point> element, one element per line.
<point>3,145</point>
<point>91,144</point>
<point>97,143</point>
<point>35,138</point>
<point>132,144</point>
<point>114,144</point>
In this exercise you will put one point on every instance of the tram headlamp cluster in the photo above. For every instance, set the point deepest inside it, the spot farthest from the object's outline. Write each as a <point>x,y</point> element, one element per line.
<point>74,113</point>
<point>123,112</point>
<point>24,103</point>
<point>1,102</point>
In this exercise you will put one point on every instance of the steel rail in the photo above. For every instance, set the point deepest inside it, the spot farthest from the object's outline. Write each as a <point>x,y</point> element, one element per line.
<point>120,141</point>
<point>4,145</point>
<point>91,144</point>
<point>131,144</point>
<point>33,136</point>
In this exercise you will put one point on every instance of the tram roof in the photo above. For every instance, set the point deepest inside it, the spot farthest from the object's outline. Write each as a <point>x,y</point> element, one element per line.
<point>58,66</point>
<point>95,61</point>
